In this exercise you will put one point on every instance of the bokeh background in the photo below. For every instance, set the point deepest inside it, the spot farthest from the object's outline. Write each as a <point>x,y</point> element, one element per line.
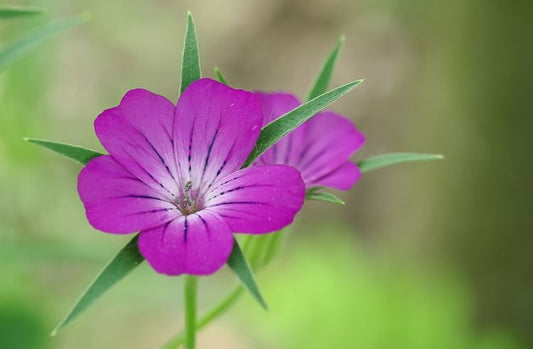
<point>428,255</point>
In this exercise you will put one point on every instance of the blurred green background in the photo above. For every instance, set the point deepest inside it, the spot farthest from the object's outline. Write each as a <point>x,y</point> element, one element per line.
<point>433,255</point>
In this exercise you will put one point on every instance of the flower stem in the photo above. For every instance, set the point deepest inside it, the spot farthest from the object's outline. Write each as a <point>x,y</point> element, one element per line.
<point>218,310</point>
<point>191,285</point>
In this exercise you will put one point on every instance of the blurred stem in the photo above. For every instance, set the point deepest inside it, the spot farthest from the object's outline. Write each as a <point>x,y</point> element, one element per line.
<point>260,250</point>
<point>191,285</point>
<point>214,313</point>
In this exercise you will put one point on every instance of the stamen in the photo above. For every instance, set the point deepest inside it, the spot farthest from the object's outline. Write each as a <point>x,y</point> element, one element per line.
<point>190,201</point>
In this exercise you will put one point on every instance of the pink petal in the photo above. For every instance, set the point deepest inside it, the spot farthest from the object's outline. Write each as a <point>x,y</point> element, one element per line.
<point>258,199</point>
<point>318,148</point>
<point>275,105</point>
<point>342,177</point>
<point>117,202</point>
<point>330,141</point>
<point>198,244</point>
<point>138,134</point>
<point>216,129</point>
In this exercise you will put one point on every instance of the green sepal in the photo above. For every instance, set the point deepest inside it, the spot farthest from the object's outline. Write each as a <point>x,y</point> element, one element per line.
<point>238,263</point>
<point>318,195</point>
<point>280,127</point>
<point>384,160</point>
<point>124,262</point>
<point>190,60</point>
<point>321,82</point>
<point>220,76</point>
<point>73,152</point>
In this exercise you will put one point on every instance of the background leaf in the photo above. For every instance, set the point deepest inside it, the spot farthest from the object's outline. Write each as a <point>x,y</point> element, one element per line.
<point>321,83</point>
<point>124,262</point>
<point>278,128</point>
<point>384,160</point>
<point>73,152</point>
<point>14,50</point>
<point>190,61</point>
<point>237,262</point>
<point>7,11</point>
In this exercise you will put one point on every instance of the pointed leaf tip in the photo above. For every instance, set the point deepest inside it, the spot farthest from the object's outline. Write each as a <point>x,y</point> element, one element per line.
<point>323,196</point>
<point>124,262</point>
<point>220,76</point>
<point>190,61</point>
<point>384,160</point>
<point>323,78</point>
<point>73,152</point>
<point>238,263</point>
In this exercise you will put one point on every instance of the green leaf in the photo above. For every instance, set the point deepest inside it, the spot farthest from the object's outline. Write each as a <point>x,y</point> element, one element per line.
<point>14,50</point>
<point>237,262</point>
<point>278,128</point>
<point>384,160</point>
<point>190,61</point>
<point>220,77</point>
<point>323,196</point>
<point>73,152</point>
<point>123,263</point>
<point>321,83</point>
<point>7,12</point>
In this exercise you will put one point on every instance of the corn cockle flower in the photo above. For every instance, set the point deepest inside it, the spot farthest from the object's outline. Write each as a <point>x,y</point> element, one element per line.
<point>174,174</point>
<point>320,148</point>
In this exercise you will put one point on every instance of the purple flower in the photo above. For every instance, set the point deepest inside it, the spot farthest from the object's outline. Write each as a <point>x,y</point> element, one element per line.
<point>174,174</point>
<point>320,148</point>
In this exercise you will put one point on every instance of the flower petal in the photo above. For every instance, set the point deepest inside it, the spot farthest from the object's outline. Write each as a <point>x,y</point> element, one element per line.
<point>330,140</point>
<point>138,134</point>
<point>275,105</point>
<point>258,199</point>
<point>342,177</point>
<point>117,202</point>
<point>317,148</point>
<point>215,130</point>
<point>198,244</point>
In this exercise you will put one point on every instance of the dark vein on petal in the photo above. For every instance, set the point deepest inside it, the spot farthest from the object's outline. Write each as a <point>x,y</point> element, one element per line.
<point>325,175</point>
<point>190,147</point>
<point>207,230</point>
<point>151,211</point>
<point>185,229</point>
<point>140,197</point>
<point>161,240</point>
<point>160,157</point>
<point>240,188</point>
<point>241,203</point>
<point>210,148</point>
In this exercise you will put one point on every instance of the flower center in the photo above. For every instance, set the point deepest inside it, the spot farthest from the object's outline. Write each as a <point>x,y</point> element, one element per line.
<point>189,202</point>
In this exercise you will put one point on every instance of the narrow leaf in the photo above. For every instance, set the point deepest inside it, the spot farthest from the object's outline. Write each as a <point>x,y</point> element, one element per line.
<point>14,50</point>
<point>384,160</point>
<point>123,263</point>
<point>220,77</point>
<point>278,128</point>
<point>323,196</point>
<point>73,152</point>
<point>237,262</point>
<point>7,12</point>
<point>321,83</point>
<point>190,60</point>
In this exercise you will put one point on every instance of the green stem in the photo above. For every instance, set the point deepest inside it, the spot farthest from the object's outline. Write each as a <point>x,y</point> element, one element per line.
<point>218,310</point>
<point>191,285</point>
